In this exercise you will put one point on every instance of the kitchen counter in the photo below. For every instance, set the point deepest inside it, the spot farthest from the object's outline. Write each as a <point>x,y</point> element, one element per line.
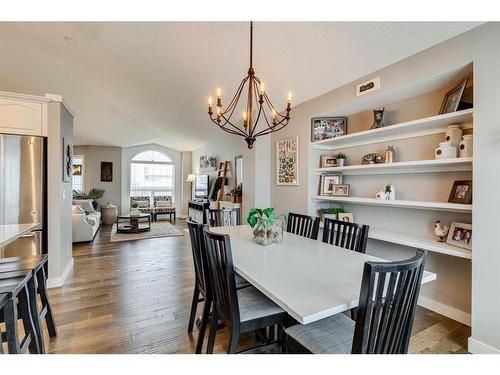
<point>11,232</point>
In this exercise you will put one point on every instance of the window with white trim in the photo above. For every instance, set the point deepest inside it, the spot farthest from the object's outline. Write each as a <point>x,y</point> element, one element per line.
<point>152,173</point>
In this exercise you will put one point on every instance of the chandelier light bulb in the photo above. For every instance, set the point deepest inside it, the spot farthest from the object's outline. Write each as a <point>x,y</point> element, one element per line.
<point>218,92</point>
<point>262,88</point>
<point>289,97</point>
<point>209,101</point>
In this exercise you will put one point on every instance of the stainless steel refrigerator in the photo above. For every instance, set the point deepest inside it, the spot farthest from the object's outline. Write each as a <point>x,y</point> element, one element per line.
<point>23,191</point>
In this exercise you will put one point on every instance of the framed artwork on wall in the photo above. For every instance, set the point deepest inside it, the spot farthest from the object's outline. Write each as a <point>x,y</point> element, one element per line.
<point>208,162</point>
<point>287,162</point>
<point>106,171</point>
<point>67,160</point>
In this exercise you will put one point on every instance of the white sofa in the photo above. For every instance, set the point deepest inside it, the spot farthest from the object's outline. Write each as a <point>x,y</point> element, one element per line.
<point>85,225</point>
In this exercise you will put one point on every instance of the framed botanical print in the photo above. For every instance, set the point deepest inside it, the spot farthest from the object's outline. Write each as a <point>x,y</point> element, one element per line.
<point>287,162</point>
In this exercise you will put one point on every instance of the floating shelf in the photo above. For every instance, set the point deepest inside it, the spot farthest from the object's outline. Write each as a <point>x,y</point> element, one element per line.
<point>419,166</point>
<point>417,128</point>
<point>399,203</point>
<point>418,242</point>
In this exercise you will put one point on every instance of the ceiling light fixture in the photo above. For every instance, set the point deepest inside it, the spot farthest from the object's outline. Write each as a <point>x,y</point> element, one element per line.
<point>247,126</point>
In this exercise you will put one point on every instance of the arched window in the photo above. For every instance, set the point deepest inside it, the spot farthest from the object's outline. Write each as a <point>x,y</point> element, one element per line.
<point>152,173</point>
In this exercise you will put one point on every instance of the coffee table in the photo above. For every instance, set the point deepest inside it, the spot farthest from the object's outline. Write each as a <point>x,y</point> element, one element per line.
<point>133,223</point>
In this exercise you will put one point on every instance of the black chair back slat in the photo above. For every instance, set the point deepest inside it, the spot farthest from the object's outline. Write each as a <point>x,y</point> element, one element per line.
<point>223,277</point>
<point>303,225</point>
<point>387,302</point>
<point>224,217</point>
<point>200,259</point>
<point>350,236</point>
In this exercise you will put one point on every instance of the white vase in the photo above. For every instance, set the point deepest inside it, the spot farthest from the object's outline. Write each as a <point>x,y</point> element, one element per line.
<point>465,146</point>
<point>445,151</point>
<point>134,212</point>
<point>454,135</point>
<point>330,216</point>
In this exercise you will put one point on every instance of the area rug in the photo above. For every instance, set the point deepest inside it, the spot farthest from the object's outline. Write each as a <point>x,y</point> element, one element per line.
<point>158,230</point>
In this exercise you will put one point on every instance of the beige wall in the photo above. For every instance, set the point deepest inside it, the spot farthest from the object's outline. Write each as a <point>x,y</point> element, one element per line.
<point>479,46</point>
<point>94,155</point>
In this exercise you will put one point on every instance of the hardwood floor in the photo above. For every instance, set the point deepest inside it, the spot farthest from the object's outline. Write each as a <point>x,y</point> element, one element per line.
<point>134,297</point>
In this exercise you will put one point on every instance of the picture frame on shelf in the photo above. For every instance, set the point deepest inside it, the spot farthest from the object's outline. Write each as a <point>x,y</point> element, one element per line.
<point>461,192</point>
<point>328,161</point>
<point>341,190</point>
<point>460,235</point>
<point>327,128</point>
<point>327,183</point>
<point>347,217</point>
<point>452,98</point>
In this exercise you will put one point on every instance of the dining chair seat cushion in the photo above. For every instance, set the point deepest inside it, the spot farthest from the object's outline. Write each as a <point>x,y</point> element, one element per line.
<point>332,335</point>
<point>254,305</point>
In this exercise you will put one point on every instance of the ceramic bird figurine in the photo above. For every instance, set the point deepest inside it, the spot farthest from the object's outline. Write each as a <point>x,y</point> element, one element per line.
<point>441,230</point>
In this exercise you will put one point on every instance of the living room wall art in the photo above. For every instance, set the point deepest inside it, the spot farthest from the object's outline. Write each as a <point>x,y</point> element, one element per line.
<point>106,171</point>
<point>208,162</point>
<point>287,162</point>
<point>67,160</point>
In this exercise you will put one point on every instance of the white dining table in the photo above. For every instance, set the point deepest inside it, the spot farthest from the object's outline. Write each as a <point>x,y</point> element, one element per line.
<point>309,279</point>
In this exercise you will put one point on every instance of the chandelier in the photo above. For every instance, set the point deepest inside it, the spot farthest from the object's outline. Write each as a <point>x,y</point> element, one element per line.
<point>247,126</point>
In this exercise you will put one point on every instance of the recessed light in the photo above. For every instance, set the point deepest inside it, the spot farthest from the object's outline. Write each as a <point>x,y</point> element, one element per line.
<point>69,40</point>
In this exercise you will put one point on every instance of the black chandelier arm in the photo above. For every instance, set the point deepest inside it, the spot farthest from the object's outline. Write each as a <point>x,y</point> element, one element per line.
<point>236,98</point>
<point>257,95</point>
<point>228,130</point>
<point>271,106</point>
<point>276,128</point>
<point>227,121</point>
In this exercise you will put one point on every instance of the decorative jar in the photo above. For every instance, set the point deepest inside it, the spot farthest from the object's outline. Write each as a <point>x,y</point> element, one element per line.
<point>267,232</point>
<point>453,135</point>
<point>465,146</point>
<point>446,151</point>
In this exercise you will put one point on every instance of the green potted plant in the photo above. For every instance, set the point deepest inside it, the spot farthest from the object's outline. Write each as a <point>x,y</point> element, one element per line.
<point>341,159</point>
<point>267,228</point>
<point>134,208</point>
<point>330,212</point>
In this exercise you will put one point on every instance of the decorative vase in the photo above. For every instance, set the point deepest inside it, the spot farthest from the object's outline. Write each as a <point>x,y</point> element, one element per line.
<point>465,146</point>
<point>134,212</point>
<point>268,232</point>
<point>378,118</point>
<point>329,216</point>
<point>340,162</point>
<point>389,154</point>
<point>109,213</point>
<point>445,151</point>
<point>453,135</point>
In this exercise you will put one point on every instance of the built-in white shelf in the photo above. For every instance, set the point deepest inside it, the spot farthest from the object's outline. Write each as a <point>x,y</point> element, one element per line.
<point>418,242</point>
<point>399,203</point>
<point>418,166</point>
<point>416,128</point>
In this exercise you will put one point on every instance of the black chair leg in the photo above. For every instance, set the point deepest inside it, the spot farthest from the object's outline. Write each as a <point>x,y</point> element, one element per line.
<point>10,315</point>
<point>37,323</point>
<point>42,290</point>
<point>214,325</point>
<point>233,341</point>
<point>194,305</point>
<point>28,324</point>
<point>203,327</point>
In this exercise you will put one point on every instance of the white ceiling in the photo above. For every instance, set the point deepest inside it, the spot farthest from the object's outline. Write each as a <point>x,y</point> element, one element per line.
<point>137,83</point>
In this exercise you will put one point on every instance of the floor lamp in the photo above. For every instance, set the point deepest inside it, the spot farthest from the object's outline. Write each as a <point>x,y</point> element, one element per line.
<point>190,179</point>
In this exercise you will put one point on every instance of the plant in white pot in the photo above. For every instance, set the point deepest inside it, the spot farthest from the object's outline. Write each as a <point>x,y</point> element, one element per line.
<point>341,160</point>
<point>330,213</point>
<point>134,208</point>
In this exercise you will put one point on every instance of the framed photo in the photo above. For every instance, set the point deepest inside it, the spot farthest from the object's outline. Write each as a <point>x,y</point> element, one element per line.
<point>328,161</point>
<point>77,169</point>
<point>106,171</point>
<point>287,162</point>
<point>452,98</point>
<point>67,160</point>
<point>208,162</point>
<point>327,128</point>
<point>347,217</point>
<point>460,235</point>
<point>341,190</point>
<point>327,183</point>
<point>461,192</point>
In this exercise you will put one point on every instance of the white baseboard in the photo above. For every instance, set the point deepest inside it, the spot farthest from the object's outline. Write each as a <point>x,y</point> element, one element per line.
<point>448,311</point>
<point>54,282</point>
<point>478,347</point>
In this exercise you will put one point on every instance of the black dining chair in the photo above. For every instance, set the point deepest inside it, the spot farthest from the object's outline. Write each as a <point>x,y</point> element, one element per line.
<point>203,291</point>
<point>4,299</point>
<point>387,302</point>
<point>303,225</point>
<point>224,217</point>
<point>350,236</point>
<point>243,310</point>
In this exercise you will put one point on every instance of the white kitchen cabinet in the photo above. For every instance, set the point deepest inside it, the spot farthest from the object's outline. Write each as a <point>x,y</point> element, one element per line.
<point>23,114</point>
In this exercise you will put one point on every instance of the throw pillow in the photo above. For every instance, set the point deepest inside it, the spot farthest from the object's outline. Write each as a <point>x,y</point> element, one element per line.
<point>85,204</point>
<point>143,204</point>
<point>163,203</point>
